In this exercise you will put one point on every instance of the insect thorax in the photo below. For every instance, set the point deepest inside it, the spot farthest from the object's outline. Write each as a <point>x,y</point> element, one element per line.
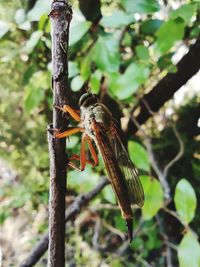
<point>97,112</point>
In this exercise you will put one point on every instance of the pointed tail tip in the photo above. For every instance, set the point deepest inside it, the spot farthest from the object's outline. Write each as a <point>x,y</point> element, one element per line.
<point>129,224</point>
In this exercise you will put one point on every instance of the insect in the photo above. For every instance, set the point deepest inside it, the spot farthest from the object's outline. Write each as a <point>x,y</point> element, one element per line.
<point>97,125</point>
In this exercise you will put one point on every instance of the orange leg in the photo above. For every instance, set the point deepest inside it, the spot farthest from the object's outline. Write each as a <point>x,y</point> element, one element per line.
<point>92,151</point>
<point>77,157</point>
<point>82,157</point>
<point>68,132</point>
<point>71,111</point>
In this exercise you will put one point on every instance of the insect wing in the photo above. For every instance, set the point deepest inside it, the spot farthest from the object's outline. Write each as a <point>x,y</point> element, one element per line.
<point>130,175</point>
<point>114,172</point>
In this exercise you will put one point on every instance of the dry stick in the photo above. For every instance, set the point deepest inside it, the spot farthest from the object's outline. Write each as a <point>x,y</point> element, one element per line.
<point>60,16</point>
<point>71,211</point>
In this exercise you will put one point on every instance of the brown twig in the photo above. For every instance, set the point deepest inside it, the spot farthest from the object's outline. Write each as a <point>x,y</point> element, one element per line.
<point>71,211</point>
<point>60,16</point>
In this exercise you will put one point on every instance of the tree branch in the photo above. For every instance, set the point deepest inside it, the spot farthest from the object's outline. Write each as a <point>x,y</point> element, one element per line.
<point>60,16</point>
<point>178,155</point>
<point>70,213</point>
<point>165,89</point>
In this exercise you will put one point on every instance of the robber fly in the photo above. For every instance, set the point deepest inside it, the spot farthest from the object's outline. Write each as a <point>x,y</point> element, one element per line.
<point>97,125</point>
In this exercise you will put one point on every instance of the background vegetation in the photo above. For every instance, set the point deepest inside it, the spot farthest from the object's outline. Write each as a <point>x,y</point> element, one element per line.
<point>121,49</point>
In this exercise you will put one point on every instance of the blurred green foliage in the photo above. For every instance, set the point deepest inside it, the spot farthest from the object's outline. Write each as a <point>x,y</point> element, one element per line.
<point>132,45</point>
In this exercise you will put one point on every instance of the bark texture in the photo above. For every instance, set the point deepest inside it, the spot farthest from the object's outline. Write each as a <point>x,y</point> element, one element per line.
<point>60,16</point>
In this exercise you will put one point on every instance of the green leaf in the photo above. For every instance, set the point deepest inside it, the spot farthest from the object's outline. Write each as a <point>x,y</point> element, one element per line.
<point>34,91</point>
<point>95,81</point>
<point>40,8</point>
<point>165,61</point>
<point>76,83</point>
<point>117,19</point>
<point>4,27</point>
<point>42,22</point>
<point>28,73</point>
<point>185,12</point>
<point>73,142</point>
<point>154,196</point>
<point>20,16</point>
<point>138,155</point>
<point>120,223</point>
<point>141,6</point>
<point>72,69</point>
<point>170,32</point>
<point>78,27</point>
<point>151,26</point>
<point>105,53</point>
<point>127,41</point>
<point>85,66</point>
<point>189,251</point>
<point>77,31</point>
<point>83,181</point>
<point>32,42</point>
<point>195,33</point>
<point>33,97</point>
<point>109,195</point>
<point>20,19</point>
<point>185,201</point>
<point>124,85</point>
<point>142,52</point>
<point>4,214</point>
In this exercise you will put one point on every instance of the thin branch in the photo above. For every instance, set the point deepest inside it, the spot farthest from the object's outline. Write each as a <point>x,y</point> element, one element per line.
<point>70,213</point>
<point>166,239</point>
<point>171,245</point>
<point>60,16</point>
<point>144,262</point>
<point>169,255</point>
<point>156,168</point>
<point>95,239</point>
<point>114,230</point>
<point>179,154</point>
<point>175,215</point>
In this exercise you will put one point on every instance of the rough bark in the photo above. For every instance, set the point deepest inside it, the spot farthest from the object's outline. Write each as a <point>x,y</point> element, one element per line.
<point>165,89</point>
<point>60,16</point>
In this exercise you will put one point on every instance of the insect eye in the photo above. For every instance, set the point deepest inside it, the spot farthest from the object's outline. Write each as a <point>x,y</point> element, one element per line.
<point>83,98</point>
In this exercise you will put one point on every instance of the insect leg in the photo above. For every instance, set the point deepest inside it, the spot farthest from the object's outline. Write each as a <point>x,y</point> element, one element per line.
<point>77,157</point>
<point>71,111</point>
<point>92,151</point>
<point>68,132</point>
<point>82,156</point>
